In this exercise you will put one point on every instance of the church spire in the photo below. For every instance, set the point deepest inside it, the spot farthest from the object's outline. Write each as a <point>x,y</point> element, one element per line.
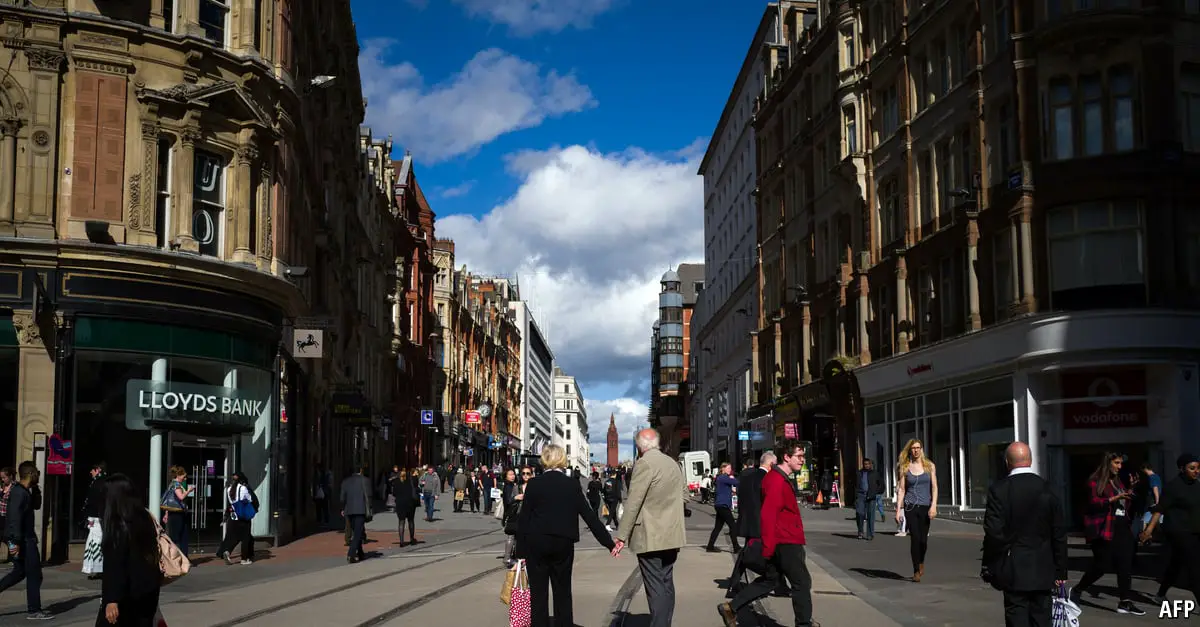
<point>614,441</point>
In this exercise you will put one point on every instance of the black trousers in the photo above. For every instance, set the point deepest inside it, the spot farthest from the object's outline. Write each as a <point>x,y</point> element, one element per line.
<point>724,518</point>
<point>612,514</point>
<point>409,517</point>
<point>1028,609</point>
<point>134,612</point>
<point>27,567</point>
<point>1114,555</point>
<point>358,530</point>
<point>237,531</point>
<point>917,517</point>
<point>550,560</point>
<point>790,560</point>
<point>1184,557</point>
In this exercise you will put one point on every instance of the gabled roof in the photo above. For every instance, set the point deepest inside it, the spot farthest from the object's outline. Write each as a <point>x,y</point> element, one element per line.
<point>207,95</point>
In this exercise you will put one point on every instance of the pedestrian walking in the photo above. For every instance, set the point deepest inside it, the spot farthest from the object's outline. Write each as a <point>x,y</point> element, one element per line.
<point>866,498</point>
<point>474,491</point>
<point>1180,506</point>
<point>133,578</point>
<point>916,501</point>
<point>513,494</point>
<point>1109,530</point>
<point>176,516</point>
<point>750,528</point>
<point>241,505</point>
<point>7,477</point>
<point>461,482</point>
<point>93,512</point>
<point>407,495</point>
<point>725,484</point>
<point>612,500</point>
<point>1025,541</point>
<point>549,529</point>
<point>21,534</point>
<point>322,485</point>
<point>356,505</point>
<point>486,482</point>
<point>654,524</point>
<point>783,542</point>
<point>429,495</point>
<point>595,489</point>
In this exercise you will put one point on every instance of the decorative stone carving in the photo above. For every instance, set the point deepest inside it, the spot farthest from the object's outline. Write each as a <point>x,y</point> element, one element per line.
<point>97,66</point>
<point>149,173</point>
<point>11,126</point>
<point>41,139</point>
<point>150,131</point>
<point>29,333</point>
<point>189,135</point>
<point>135,201</point>
<point>44,59</point>
<point>247,155</point>
<point>102,40</point>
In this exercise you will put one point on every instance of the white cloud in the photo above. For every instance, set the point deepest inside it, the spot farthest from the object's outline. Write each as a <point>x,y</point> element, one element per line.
<point>589,235</point>
<point>458,190</point>
<point>495,93</point>
<point>628,413</point>
<point>529,17</point>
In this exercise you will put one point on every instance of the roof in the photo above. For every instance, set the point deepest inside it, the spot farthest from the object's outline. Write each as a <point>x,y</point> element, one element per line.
<point>691,274</point>
<point>670,276</point>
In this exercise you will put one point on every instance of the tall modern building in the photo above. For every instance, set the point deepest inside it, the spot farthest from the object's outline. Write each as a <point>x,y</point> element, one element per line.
<point>727,310</point>
<point>571,421</point>
<point>672,349</point>
<point>537,381</point>
<point>614,442</point>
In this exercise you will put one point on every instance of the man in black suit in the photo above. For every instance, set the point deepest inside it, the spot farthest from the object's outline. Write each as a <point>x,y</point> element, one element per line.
<point>1025,541</point>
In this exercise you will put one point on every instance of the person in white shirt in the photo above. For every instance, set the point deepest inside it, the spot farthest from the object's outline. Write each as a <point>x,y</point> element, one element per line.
<point>238,529</point>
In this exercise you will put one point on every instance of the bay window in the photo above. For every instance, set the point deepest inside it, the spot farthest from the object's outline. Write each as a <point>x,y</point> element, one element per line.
<point>1096,245</point>
<point>1093,115</point>
<point>1120,87</point>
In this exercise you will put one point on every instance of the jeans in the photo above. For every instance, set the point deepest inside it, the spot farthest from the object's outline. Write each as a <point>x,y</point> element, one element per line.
<point>864,512</point>
<point>237,531</point>
<point>430,500</point>
<point>27,565</point>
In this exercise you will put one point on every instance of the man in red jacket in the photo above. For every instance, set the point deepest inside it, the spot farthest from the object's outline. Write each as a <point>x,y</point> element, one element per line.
<point>782,541</point>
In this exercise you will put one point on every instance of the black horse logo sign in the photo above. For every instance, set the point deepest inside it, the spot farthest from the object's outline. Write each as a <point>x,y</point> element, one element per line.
<point>302,345</point>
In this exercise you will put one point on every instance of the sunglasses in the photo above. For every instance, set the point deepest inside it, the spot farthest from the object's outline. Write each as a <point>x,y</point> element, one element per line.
<point>527,474</point>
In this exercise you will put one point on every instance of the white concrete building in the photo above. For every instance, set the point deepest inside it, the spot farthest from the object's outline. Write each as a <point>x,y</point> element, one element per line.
<point>537,381</point>
<point>726,311</point>
<point>571,421</point>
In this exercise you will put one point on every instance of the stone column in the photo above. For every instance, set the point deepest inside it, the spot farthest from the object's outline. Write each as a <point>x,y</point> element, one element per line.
<point>864,310</point>
<point>1028,297</point>
<point>265,234</point>
<point>247,23</point>
<point>142,204</point>
<point>805,342</point>
<point>8,169</point>
<point>184,171</point>
<point>35,396</point>
<point>157,19</point>
<point>1014,245</point>
<point>902,317</point>
<point>974,323</point>
<point>187,18</point>
<point>244,191</point>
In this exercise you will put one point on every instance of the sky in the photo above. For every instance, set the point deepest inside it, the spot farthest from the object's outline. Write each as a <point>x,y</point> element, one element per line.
<point>558,142</point>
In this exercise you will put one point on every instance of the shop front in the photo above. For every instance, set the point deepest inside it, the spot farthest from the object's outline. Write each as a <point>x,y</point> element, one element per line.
<point>1072,386</point>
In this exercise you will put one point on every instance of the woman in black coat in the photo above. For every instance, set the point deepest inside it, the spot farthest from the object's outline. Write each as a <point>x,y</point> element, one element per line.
<point>132,575</point>
<point>404,488</point>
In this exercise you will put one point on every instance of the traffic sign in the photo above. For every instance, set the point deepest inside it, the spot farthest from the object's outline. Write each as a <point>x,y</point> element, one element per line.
<point>472,417</point>
<point>426,416</point>
<point>743,436</point>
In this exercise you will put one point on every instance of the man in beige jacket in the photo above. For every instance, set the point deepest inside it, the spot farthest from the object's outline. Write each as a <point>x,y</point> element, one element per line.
<point>653,524</point>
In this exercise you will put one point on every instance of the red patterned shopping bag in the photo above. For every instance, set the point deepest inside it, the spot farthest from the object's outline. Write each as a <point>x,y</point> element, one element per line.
<point>519,614</point>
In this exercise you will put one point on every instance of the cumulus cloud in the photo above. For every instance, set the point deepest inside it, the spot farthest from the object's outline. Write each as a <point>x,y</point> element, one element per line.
<point>529,17</point>
<point>588,235</point>
<point>458,190</point>
<point>629,414</point>
<point>495,93</point>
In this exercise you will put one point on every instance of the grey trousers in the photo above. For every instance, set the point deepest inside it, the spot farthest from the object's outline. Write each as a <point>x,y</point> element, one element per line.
<point>658,575</point>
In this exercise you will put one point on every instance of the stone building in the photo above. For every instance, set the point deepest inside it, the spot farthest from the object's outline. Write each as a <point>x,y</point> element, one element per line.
<point>477,362</point>
<point>184,187</point>
<point>672,378</point>
<point>956,205</point>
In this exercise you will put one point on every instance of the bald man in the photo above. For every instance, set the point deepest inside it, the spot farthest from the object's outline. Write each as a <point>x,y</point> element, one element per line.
<point>1025,541</point>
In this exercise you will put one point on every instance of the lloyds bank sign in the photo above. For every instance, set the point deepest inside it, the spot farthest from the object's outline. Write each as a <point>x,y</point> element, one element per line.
<point>149,403</point>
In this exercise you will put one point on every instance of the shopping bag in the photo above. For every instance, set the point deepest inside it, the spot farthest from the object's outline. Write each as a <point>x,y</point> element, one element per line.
<point>498,510</point>
<point>1065,613</point>
<point>603,510</point>
<point>516,577</point>
<point>519,610</point>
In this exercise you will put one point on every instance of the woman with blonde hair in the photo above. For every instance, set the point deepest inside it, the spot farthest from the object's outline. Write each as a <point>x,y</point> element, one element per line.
<point>547,530</point>
<point>408,499</point>
<point>916,493</point>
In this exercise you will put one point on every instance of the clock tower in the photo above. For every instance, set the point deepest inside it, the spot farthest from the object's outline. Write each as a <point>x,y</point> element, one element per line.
<point>613,441</point>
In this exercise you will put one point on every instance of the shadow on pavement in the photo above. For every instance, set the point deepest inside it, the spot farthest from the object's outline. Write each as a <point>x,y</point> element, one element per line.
<point>879,574</point>
<point>66,605</point>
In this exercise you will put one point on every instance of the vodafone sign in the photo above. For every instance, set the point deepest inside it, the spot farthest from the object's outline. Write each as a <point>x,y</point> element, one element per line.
<point>1095,410</point>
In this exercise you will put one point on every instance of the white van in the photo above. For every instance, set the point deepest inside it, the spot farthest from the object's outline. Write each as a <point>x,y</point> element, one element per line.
<point>695,465</point>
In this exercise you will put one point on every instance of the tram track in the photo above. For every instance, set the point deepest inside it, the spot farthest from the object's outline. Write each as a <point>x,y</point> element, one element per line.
<point>394,612</point>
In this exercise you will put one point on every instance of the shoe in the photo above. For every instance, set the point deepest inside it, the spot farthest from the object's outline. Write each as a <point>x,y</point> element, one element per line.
<point>1127,607</point>
<point>727,615</point>
<point>228,559</point>
<point>712,549</point>
<point>246,562</point>
<point>860,536</point>
<point>39,615</point>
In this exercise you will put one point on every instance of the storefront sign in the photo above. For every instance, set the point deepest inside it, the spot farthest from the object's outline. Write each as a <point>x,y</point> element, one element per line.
<point>308,343</point>
<point>60,457</point>
<point>472,417</point>
<point>148,402</point>
<point>1095,410</point>
<point>919,369</point>
<point>351,407</point>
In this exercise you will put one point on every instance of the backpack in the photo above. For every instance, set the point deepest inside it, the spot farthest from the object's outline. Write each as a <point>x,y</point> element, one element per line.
<point>612,491</point>
<point>171,561</point>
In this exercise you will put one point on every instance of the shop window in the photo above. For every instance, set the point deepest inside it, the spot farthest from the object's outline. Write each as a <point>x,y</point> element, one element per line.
<point>989,392</point>
<point>937,403</point>
<point>904,409</point>
<point>941,452</point>
<point>9,396</point>
<point>989,431</point>
<point>1096,256</point>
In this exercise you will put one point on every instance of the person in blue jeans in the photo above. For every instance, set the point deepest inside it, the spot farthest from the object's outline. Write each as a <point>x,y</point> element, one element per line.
<point>22,540</point>
<point>869,486</point>
<point>429,490</point>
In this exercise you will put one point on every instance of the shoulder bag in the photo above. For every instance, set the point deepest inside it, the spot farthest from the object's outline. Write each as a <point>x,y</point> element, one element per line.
<point>171,561</point>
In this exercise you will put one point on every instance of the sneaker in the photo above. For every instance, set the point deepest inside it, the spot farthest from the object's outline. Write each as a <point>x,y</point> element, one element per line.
<point>246,562</point>
<point>727,615</point>
<point>1127,607</point>
<point>39,615</point>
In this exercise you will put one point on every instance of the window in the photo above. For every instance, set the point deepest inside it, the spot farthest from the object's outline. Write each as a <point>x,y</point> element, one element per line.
<point>889,212</point>
<point>1092,245</point>
<point>851,132</point>
<point>920,85</point>
<point>169,12</point>
<point>1189,106</point>
<point>208,224</point>
<point>1003,290</point>
<point>1007,142</point>
<point>285,34</point>
<point>883,320</point>
<point>1001,22</point>
<point>948,296</point>
<point>1120,86</point>
<point>889,106</point>
<point>848,55</point>
<point>1093,115</point>
<point>925,195</point>
<point>941,56</point>
<point>1061,136</point>
<point>214,19</point>
<point>963,51</point>
<point>162,202</point>
<point>945,184</point>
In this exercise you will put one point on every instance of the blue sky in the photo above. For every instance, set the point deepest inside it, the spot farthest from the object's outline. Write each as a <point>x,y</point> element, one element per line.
<point>558,140</point>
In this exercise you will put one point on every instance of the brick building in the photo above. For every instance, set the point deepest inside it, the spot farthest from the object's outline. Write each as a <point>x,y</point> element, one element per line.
<point>981,210</point>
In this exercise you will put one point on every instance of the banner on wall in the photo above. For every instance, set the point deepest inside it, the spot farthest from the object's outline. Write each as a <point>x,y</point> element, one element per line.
<point>1105,399</point>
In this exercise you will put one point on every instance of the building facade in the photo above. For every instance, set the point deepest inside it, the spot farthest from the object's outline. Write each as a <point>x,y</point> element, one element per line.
<point>477,387</point>
<point>671,372</point>
<point>537,382</point>
<point>185,191</point>
<point>964,196</point>
<point>727,310</point>
<point>571,421</point>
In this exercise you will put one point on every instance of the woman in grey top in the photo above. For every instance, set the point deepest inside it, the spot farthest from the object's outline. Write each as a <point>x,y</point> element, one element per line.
<point>916,493</point>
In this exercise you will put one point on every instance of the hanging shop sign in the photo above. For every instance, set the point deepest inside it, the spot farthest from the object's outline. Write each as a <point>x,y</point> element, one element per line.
<point>60,456</point>
<point>351,407</point>
<point>150,403</point>
<point>472,417</point>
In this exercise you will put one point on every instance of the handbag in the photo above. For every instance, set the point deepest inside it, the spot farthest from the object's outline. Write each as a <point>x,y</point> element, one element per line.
<point>170,501</point>
<point>519,609</point>
<point>171,561</point>
<point>499,511</point>
<point>516,577</point>
<point>511,517</point>
<point>244,510</point>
